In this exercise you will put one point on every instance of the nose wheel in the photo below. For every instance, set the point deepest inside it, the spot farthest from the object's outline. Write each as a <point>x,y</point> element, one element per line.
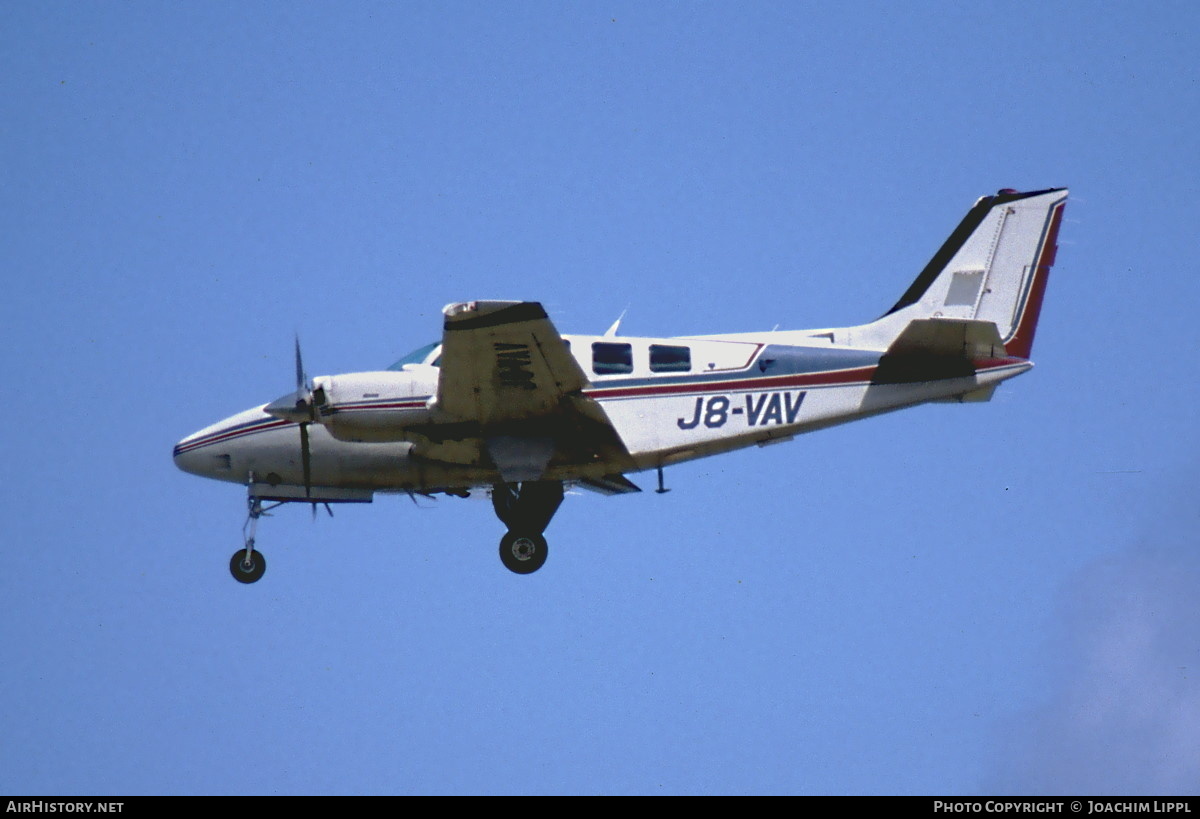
<point>247,566</point>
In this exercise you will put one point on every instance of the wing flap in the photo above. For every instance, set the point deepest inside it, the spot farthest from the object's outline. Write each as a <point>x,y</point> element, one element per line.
<point>610,485</point>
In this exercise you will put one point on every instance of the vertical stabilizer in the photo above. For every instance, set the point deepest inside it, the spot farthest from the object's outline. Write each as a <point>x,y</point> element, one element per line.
<point>993,268</point>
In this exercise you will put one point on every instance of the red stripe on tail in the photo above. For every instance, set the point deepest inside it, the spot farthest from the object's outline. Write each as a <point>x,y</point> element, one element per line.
<point>1021,343</point>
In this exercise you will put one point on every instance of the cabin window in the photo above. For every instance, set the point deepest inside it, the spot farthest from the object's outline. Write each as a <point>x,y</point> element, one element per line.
<point>668,359</point>
<point>612,359</point>
<point>419,357</point>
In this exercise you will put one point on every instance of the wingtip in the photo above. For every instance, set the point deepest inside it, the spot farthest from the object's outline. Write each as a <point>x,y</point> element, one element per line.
<point>470,315</point>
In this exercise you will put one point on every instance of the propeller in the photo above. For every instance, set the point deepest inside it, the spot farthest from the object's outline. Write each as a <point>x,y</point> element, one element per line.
<point>301,376</point>
<point>305,400</point>
<point>301,406</point>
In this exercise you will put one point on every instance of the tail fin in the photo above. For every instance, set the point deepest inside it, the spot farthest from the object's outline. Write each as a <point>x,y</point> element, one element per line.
<point>993,268</point>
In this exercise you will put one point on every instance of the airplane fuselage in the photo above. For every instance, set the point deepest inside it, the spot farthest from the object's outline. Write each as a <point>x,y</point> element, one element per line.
<point>378,432</point>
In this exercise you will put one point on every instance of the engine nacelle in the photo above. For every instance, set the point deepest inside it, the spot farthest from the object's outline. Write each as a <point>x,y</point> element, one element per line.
<point>376,406</point>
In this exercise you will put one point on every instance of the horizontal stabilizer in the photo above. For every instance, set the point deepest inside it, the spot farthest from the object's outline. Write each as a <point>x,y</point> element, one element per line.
<point>938,348</point>
<point>610,485</point>
<point>979,396</point>
<point>953,338</point>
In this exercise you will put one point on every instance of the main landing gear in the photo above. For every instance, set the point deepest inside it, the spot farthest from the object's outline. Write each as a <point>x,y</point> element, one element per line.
<point>526,511</point>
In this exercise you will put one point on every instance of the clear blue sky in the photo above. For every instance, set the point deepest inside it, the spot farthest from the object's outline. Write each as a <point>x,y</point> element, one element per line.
<point>951,599</point>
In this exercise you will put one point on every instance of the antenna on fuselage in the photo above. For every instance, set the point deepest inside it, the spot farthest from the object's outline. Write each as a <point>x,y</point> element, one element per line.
<point>612,331</point>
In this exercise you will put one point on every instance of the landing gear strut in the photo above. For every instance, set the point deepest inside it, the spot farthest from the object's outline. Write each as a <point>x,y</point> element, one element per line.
<point>247,565</point>
<point>526,511</point>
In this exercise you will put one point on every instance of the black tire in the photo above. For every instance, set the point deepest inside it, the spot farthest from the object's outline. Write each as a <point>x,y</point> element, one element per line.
<point>523,552</point>
<point>244,573</point>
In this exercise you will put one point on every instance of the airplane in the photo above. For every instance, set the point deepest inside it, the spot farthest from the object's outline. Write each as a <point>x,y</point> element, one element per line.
<point>507,406</point>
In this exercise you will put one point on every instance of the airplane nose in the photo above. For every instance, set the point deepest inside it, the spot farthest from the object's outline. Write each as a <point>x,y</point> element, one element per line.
<point>214,451</point>
<point>196,455</point>
<point>186,458</point>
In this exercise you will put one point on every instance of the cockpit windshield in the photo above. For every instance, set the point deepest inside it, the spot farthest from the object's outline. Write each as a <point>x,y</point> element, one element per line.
<point>420,356</point>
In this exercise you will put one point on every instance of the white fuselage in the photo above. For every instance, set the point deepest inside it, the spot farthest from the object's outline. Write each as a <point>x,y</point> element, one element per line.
<point>667,405</point>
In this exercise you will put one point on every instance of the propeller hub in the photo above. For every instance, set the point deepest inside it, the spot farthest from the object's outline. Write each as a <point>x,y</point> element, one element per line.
<point>295,406</point>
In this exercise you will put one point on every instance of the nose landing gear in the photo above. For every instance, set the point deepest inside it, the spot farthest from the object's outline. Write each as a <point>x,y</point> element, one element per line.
<point>247,565</point>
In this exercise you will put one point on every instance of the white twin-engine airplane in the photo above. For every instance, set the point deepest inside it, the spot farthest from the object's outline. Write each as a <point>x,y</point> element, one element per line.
<point>506,405</point>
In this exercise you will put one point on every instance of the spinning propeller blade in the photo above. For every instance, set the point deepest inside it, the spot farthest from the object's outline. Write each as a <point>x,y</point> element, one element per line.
<point>304,397</point>
<point>301,407</point>
<point>301,377</point>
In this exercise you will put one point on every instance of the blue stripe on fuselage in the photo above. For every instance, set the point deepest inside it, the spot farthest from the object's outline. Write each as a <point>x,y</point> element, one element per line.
<point>772,360</point>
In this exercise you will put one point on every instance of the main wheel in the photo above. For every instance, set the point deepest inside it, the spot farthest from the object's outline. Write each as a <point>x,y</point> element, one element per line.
<point>247,572</point>
<point>523,552</point>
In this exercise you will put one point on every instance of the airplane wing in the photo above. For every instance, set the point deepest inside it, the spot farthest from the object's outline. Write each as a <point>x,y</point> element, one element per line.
<point>505,367</point>
<point>503,361</point>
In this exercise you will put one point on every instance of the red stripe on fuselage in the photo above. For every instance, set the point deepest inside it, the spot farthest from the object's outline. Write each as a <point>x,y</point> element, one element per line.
<point>217,437</point>
<point>857,375</point>
<point>396,405</point>
<point>767,382</point>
